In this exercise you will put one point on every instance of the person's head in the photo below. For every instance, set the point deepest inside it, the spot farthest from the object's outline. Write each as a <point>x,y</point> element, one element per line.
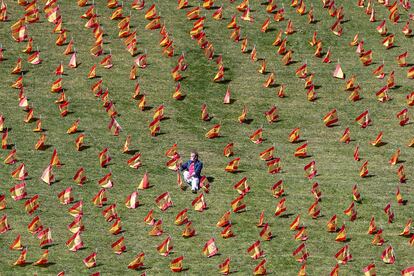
<point>194,155</point>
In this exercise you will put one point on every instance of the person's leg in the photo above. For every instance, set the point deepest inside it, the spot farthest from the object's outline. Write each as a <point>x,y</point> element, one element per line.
<point>194,183</point>
<point>187,177</point>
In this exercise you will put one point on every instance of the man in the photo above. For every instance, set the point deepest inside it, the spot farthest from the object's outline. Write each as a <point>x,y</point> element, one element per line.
<point>192,171</point>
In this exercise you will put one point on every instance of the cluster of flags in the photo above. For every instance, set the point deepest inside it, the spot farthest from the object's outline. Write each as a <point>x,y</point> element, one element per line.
<point>51,10</point>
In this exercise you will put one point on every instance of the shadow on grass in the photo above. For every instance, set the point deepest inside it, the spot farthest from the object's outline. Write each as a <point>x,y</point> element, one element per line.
<point>238,171</point>
<point>45,147</point>
<point>10,146</point>
<point>132,152</point>
<point>25,264</point>
<point>404,202</point>
<point>49,246</point>
<point>271,29</point>
<point>160,134</point>
<point>304,157</point>
<point>334,125</point>
<point>248,121</point>
<point>393,46</point>
<point>69,113</point>
<point>46,265</point>
<point>286,215</point>
<point>224,82</point>
<point>380,144</point>
<point>57,181</point>
<point>181,98</point>
<point>82,148</point>
<point>273,85</point>
<point>148,108</point>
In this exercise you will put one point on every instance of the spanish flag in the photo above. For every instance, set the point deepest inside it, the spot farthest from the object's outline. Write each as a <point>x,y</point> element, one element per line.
<point>176,265</point>
<point>137,262</point>
<point>210,249</point>
<point>255,251</point>
<point>214,132</point>
<point>90,261</point>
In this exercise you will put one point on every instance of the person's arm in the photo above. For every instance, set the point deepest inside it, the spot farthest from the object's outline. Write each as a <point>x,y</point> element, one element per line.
<point>198,168</point>
<point>184,166</point>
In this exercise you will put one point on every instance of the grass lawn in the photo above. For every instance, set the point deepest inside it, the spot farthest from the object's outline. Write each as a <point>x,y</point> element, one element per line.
<point>337,170</point>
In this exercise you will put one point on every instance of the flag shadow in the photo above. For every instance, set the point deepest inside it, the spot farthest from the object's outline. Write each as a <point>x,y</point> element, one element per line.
<point>147,108</point>
<point>25,264</point>
<point>131,152</point>
<point>143,268</point>
<point>78,131</point>
<point>238,171</point>
<point>160,134</point>
<point>82,148</point>
<point>404,202</point>
<point>393,46</point>
<point>304,157</point>
<point>56,181</point>
<point>46,265</point>
<point>45,147</point>
<point>10,146</point>
<point>49,246</point>
<point>286,215</point>
<point>334,125</point>
<point>232,101</point>
<point>292,62</point>
<point>248,121</point>
<point>182,97</point>
<point>68,113</point>
<point>224,82</point>
<point>380,144</point>
<point>32,120</point>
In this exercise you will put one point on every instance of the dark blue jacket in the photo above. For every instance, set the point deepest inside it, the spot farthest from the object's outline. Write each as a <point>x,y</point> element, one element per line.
<point>197,167</point>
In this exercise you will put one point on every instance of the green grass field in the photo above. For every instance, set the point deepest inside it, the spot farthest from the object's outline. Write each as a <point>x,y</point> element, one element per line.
<point>337,170</point>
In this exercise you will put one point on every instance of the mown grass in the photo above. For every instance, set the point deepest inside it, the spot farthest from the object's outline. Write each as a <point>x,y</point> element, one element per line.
<point>337,170</point>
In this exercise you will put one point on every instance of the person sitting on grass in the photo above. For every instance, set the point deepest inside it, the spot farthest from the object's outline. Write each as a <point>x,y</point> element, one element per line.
<point>192,171</point>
